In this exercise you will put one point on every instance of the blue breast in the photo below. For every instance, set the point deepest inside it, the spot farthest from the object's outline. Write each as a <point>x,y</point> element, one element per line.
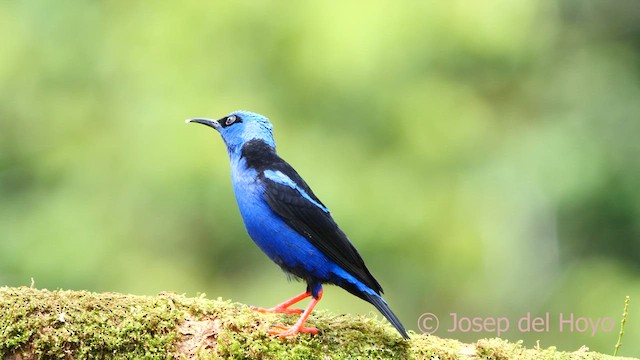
<point>281,243</point>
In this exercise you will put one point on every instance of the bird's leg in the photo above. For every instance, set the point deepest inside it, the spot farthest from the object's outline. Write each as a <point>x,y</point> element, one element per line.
<point>283,307</point>
<point>284,331</point>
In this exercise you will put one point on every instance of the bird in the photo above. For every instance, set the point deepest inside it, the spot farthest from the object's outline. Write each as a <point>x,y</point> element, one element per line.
<point>290,224</point>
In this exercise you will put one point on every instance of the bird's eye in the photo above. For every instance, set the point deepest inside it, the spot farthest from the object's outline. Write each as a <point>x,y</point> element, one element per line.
<point>230,120</point>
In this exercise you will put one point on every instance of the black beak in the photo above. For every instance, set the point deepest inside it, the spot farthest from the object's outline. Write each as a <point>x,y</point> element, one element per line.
<point>211,123</point>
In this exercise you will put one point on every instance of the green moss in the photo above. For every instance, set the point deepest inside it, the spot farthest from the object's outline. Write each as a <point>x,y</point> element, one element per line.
<point>78,324</point>
<point>57,323</point>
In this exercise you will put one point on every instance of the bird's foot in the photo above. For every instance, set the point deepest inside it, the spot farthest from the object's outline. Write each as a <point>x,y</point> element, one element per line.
<point>283,307</point>
<point>277,310</point>
<point>285,331</point>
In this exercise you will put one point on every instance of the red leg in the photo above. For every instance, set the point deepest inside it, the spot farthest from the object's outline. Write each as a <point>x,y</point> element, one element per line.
<point>284,331</point>
<point>283,307</point>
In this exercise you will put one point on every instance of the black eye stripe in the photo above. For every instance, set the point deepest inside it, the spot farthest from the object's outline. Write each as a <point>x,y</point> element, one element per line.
<point>230,120</point>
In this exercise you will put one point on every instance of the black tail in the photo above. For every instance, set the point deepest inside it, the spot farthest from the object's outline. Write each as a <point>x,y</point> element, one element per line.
<point>382,306</point>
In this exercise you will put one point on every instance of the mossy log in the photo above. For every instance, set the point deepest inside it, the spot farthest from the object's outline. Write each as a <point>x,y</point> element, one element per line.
<point>78,324</point>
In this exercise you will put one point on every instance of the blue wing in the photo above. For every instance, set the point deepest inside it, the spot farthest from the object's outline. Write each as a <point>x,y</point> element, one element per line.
<point>291,198</point>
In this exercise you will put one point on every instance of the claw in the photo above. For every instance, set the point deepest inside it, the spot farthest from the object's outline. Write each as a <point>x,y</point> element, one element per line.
<point>283,308</point>
<point>286,331</point>
<point>277,310</point>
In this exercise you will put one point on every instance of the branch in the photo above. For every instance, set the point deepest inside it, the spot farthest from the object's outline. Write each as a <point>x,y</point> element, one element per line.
<point>78,324</point>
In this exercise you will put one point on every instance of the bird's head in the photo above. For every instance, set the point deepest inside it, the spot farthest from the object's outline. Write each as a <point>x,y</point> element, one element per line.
<point>239,127</point>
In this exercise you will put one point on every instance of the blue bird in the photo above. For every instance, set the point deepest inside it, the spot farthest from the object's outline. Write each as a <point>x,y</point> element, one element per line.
<point>289,223</point>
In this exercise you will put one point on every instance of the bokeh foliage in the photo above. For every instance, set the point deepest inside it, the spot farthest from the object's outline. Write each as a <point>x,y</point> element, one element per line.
<point>483,156</point>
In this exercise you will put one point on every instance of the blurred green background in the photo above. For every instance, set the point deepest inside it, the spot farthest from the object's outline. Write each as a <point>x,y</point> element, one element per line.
<point>483,156</point>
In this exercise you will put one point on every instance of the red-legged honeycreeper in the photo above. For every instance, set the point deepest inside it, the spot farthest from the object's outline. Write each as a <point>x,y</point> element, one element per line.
<point>289,223</point>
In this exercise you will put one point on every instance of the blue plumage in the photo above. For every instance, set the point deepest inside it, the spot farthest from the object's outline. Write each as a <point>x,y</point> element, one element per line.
<point>289,223</point>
